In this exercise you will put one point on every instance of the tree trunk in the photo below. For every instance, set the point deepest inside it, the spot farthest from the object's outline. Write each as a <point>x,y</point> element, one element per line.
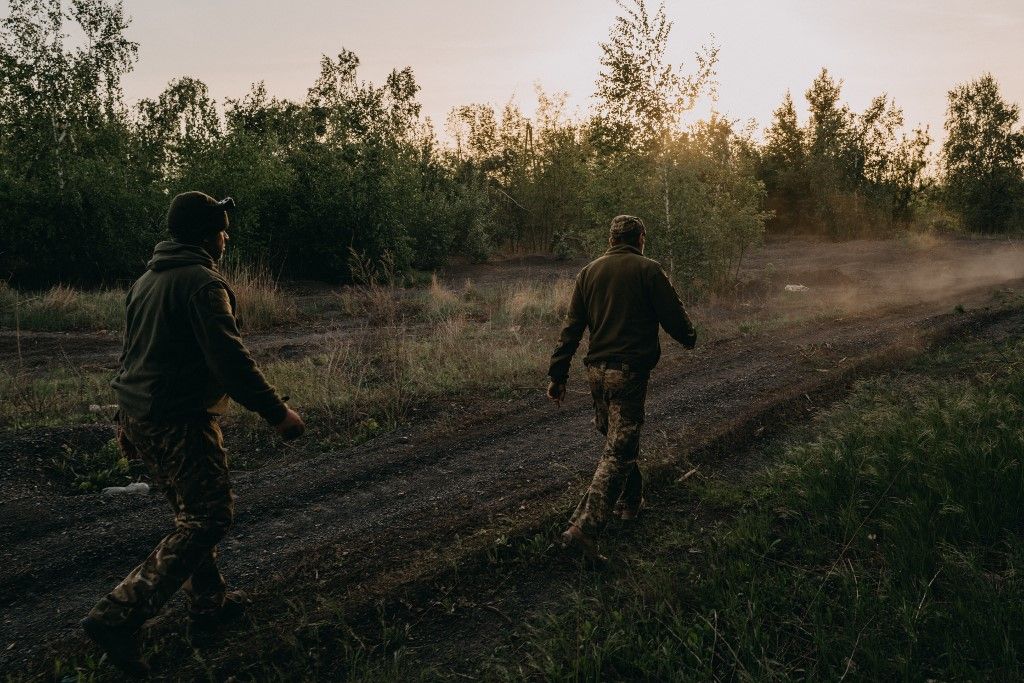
<point>668,218</point>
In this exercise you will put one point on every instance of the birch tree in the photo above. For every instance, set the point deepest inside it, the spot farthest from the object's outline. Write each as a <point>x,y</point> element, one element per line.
<point>642,96</point>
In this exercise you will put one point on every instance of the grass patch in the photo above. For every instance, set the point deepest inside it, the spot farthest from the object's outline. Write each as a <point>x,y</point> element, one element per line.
<point>60,397</point>
<point>261,305</point>
<point>884,542</point>
<point>284,638</point>
<point>261,302</point>
<point>415,347</point>
<point>85,471</point>
<point>61,308</point>
<point>422,347</point>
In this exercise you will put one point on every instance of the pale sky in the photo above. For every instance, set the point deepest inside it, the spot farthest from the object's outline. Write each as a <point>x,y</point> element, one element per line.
<point>465,51</point>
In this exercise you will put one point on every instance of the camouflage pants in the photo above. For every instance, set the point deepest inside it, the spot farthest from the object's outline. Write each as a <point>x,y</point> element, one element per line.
<point>187,460</point>
<point>619,397</point>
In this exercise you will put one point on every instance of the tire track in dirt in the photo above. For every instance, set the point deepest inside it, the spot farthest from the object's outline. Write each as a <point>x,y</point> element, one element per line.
<point>388,507</point>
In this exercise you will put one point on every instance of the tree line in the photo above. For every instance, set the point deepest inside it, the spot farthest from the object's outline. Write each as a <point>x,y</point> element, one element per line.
<point>354,174</point>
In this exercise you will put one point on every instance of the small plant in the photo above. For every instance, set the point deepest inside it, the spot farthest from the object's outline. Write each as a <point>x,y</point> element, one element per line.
<point>746,328</point>
<point>365,430</point>
<point>86,472</point>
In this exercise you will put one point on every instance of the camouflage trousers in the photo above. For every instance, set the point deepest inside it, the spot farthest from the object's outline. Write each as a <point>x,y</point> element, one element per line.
<point>619,397</point>
<point>187,460</point>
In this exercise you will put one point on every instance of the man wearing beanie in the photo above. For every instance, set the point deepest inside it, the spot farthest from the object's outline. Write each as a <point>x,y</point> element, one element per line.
<point>622,298</point>
<point>183,356</point>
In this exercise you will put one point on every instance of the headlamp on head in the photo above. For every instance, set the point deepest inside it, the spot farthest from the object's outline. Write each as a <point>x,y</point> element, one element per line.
<point>195,216</point>
<point>228,206</point>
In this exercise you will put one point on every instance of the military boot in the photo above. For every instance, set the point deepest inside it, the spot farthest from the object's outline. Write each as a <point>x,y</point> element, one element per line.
<point>629,513</point>
<point>577,543</point>
<point>121,644</point>
<point>204,624</point>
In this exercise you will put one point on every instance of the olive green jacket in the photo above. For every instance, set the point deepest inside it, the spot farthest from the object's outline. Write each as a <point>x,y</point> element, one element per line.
<point>621,297</point>
<point>183,354</point>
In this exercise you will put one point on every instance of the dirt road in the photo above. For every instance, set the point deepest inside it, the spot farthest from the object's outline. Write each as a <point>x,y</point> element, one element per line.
<point>388,506</point>
<point>391,511</point>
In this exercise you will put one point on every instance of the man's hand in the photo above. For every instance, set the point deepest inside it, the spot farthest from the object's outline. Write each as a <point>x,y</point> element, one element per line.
<point>291,427</point>
<point>556,392</point>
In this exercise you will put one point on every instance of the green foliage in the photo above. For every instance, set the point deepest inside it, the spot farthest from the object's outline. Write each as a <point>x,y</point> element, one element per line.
<point>67,181</point>
<point>695,187</point>
<point>353,168</point>
<point>983,157</point>
<point>842,174</point>
<point>85,182</point>
<point>534,173</point>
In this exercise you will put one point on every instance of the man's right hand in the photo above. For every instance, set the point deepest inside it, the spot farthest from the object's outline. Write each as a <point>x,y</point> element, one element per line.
<point>556,392</point>
<point>291,427</point>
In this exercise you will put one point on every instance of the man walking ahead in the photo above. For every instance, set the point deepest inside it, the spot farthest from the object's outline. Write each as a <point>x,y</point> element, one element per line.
<point>622,297</point>
<point>182,357</point>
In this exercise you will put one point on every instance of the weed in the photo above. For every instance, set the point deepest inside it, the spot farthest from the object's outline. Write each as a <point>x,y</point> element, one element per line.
<point>87,472</point>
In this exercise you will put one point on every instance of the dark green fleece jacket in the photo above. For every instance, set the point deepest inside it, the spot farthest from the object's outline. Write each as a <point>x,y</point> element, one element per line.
<point>183,354</point>
<point>622,298</point>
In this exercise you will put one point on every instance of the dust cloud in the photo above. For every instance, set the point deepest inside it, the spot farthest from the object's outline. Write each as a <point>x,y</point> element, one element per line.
<point>861,276</point>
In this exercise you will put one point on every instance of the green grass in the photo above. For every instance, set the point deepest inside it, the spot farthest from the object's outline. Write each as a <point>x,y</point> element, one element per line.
<point>880,541</point>
<point>61,396</point>
<point>883,543</point>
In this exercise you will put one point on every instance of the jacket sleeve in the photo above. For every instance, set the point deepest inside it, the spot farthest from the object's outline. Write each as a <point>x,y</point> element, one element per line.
<point>569,340</point>
<point>671,314</point>
<point>217,333</point>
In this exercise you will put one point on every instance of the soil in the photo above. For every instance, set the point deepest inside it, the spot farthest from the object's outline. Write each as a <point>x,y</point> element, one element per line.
<point>393,512</point>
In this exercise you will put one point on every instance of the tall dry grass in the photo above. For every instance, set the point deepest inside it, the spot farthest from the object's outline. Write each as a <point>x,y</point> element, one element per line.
<point>414,346</point>
<point>261,302</point>
<point>61,308</point>
<point>417,346</point>
<point>528,302</point>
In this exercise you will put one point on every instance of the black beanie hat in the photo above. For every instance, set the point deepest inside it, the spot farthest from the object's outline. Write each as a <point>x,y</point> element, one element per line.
<point>194,216</point>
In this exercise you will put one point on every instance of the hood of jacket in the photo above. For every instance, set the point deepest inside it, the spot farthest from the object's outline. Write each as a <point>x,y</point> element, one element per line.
<point>173,254</point>
<point>623,249</point>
